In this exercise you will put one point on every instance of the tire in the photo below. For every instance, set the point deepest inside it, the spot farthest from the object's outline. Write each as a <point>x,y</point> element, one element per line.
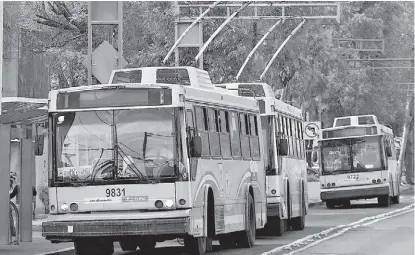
<point>298,223</point>
<point>147,245</point>
<point>92,246</point>
<point>128,245</point>
<point>346,204</point>
<point>384,201</point>
<point>276,226</point>
<point>247,237</point>
<point>330,204</point>
<point>396,199</point>
<point>195,245</point>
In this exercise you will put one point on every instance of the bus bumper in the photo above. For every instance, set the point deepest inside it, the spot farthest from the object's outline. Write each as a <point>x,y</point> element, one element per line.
<point>73,229</point>
<point>354,193</point>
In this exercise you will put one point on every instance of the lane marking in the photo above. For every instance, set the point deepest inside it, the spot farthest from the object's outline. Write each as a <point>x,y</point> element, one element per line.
<point>56,251</point>
<point>338,213</point>
<point>343,228</point>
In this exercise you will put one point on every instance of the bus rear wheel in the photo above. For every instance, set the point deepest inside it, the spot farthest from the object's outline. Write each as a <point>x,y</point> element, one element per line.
<point>276,226</point>
<point>384,201</point>
<point>93,246</point>
<point>247,237</point>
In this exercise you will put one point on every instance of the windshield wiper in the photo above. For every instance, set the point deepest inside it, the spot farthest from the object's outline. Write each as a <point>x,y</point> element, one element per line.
<point>135,169</point>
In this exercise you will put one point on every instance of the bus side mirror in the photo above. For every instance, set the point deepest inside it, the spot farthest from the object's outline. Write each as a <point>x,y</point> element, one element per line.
<point>39,144</point>
<point>283,147</point>
<point>388,151</point>
<point>196,147</point>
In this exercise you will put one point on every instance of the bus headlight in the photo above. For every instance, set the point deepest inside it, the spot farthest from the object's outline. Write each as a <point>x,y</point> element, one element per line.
<point>64,207</point>
<point>169,203</point>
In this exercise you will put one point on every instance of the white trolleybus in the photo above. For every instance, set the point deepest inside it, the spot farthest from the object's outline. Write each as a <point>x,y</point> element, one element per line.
<point>284,157</point>
<point>158,154</point>
<point>358,161</point>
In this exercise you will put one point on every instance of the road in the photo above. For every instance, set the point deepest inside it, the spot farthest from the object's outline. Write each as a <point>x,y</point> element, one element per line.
<point>394,235</point>
<point>390,236</point>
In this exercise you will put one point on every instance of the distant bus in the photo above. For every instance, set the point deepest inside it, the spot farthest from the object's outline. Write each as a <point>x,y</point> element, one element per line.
<point>358,161</point>
<point>159,154</point>
<point>282,127</point>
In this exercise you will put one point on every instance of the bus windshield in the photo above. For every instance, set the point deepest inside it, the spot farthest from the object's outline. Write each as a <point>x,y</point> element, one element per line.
<point>351,155</point>
<point>117,146</point>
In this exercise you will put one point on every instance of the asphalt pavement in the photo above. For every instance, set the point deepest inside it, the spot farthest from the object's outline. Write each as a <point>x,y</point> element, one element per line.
<point>319,219</point>
<point>395,232</point>
<point>391,236</point>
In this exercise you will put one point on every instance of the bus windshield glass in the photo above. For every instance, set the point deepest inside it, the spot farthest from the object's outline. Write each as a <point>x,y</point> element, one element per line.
<point>118,146</point>
<point>351,155</point>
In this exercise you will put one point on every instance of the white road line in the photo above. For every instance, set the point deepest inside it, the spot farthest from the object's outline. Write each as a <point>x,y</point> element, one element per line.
<point>340,212</point>
<point>343,229</point>
<point>56,251</point>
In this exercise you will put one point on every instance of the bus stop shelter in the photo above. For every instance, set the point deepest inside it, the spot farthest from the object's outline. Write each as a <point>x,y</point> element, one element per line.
<point>21,115</point>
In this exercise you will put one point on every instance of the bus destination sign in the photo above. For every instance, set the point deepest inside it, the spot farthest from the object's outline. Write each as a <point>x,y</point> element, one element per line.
<point>114,98</point>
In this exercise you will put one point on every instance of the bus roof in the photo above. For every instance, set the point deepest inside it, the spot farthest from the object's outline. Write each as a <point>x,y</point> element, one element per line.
<point>265,96</point>
<point>215,96</point>
<point>182,75</point>
<point>355,130</point>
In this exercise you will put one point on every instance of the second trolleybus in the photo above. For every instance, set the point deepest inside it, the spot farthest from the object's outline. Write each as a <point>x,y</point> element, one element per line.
<point>284,157</point>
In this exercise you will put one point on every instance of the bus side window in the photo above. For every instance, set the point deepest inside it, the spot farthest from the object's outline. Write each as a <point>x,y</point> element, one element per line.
<point>214,132</point>
<point>246,154</point>
<point>225,140</point>
<point>190,124</point>
<point>254,139</point>
<point>202,128</point>
<point>235,137</point>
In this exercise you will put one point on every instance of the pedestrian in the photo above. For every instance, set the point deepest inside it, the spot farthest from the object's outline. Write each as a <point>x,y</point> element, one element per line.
<point>13,194</point>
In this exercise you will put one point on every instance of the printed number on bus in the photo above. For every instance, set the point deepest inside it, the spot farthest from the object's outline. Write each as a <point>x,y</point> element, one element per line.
<point>353,176</point>
<point>115,192</point>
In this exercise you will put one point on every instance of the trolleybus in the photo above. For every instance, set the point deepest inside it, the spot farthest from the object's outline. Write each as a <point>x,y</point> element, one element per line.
<point>158,154</point>
<point>284,157</point>
<point>358,161</point>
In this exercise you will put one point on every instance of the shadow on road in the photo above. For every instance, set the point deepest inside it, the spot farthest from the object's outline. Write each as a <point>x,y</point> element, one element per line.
<point>177,250</point>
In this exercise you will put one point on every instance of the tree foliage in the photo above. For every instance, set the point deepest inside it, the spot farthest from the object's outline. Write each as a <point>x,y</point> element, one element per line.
<point>310,67</point>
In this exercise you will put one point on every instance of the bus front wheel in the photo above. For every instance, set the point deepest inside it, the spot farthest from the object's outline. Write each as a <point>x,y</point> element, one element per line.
<point>247,238</point>
<point>195,245</point>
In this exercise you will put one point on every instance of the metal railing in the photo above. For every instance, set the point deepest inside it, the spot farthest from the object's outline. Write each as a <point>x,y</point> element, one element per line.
<point>16,222</point>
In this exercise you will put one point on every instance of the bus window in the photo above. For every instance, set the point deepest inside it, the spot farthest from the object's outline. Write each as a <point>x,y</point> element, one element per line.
<point>201,122</point>
<point>254,139</point>
<point>214,133</point>
<point>244,136</point>
<point>225,142</point>
<point>235,137</point>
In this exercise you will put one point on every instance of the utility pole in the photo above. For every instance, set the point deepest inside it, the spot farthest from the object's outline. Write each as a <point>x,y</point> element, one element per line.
<point>409,102</point>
